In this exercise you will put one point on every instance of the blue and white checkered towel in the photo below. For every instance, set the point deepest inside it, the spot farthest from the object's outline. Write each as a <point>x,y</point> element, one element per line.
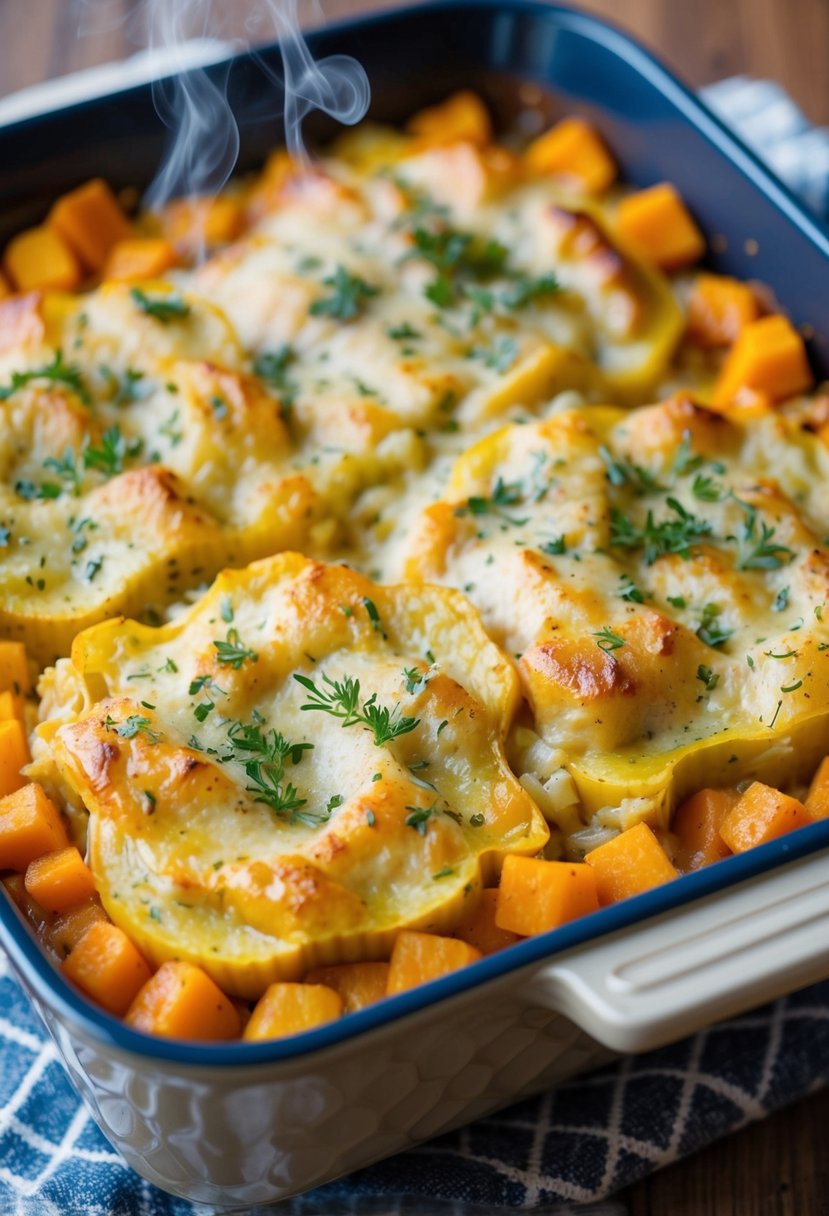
<point>573,1146</point>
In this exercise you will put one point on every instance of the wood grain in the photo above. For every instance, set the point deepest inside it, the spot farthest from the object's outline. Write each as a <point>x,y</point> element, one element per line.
<point>779,1167</point>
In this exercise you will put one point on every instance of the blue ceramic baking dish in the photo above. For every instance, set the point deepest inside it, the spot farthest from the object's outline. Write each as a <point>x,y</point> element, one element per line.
<point>252,1123</point>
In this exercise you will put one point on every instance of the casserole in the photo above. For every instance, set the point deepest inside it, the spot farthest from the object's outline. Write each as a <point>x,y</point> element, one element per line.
<point>174,1110</point>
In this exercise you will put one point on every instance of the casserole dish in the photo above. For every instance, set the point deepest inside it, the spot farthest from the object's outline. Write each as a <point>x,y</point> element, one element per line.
<point>254,1123</point>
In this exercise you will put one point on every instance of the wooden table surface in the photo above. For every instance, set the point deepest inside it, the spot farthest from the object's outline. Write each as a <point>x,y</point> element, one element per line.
<point>779,1167</point>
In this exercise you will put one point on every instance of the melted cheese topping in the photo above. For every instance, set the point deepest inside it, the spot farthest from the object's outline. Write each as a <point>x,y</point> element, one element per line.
<point>413,363</point>
<point>234,823</point>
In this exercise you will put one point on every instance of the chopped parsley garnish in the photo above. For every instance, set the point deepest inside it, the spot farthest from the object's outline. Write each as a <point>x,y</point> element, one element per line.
<point>791,687</point>
<point>341,699</point>
<point>266,754</point>
<point>29,492</point>
<point>685,459</point>
<point>57,372</point>
<point>708,677</point>
<point>419,817</point>
<point>781,600</point>
<point>233,651</point>
<point>707,489</point>
<point>114,450</point>
<point>168,429</point>
<point>759,552</point>
<point>373,615</point>
<point>93,567</point>
<point>554,547</point>
<point>67,470</point>
<point>709,631</point>
<point>630,592</point>
<point>403,333</point>
<point>134,725</point>
<point>607,639</point>
<point>162,308</point>
<point>659,538</point>
<point>524,289</point>
<point>500,356</point>
<point>415,679</point>
<point>505,494</point>
<point>272,367</point>
<point>621,472</point>
<point>457,257</point>
<point>348,297</point>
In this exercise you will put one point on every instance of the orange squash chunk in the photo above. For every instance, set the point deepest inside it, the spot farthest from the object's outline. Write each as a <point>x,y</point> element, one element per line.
<point>90,221</point>
<point>5,287</point>
<point>139,257</point>
<point>658,225</point>
<point>632,862</point>
<point>182,1002</point>
<point>215,221</point>
<point>537,895</point>
<point>14,667</point>
<point>30,825</point>
<point>696,825</point>
<point>768,357</point>
<point>66,931</point>
<point>572,149</point>
<point>719,309</point>
<point>419,957</point>
<point>41,258</point>
<point>462,118</point>
<point>11,706</point>
<point>14,754</point>
<point>358,984</point>
<point>817,799</point>
<point>108,967</point>
<point>479,929</point>
<point>287,1009</point>
<point>59,880</point>
<point>762,813</point>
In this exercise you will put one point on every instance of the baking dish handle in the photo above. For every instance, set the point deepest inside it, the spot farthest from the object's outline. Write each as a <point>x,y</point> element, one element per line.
<point>658,981</point>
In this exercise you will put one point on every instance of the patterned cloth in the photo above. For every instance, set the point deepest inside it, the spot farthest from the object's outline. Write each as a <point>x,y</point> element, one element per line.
<point>573,1146</point>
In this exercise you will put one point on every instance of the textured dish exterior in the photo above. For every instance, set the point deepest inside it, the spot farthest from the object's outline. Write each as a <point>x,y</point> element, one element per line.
<point>237,1137</point>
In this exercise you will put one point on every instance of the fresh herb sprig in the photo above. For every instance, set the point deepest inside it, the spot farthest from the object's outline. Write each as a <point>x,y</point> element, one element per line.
<point>341,699</point>
<point>347,298</point>
<point>57,372</point>
<point>506,494</point>
<point>657,538</point>
<point>233,652</point>
<point>162,308</point>
<point>264,757</point>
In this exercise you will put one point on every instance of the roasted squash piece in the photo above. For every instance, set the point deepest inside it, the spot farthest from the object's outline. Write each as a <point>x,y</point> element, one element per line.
<point>536,895</point>
<point>768,357</point>
<point>478,926</point>
<point>14,756</point>
<point>572,150</point>
<point>817,799</point>
<point>719,309</point>
<point>630,863</point>
<point>358,984</point>
<point>181,1002</point>
<point>40,259</point>
<point>761,814</point>
<point>657,224</point>
<point>696,825</point>
<point>107,967</point>
<point>257,861</point>
<point>30,825</point>
<point>139,257</point>
<point>461,118</point>
<point>286,1009</point>
<point>59,880</point>
<point>90,220</point>
<point>420,957</point>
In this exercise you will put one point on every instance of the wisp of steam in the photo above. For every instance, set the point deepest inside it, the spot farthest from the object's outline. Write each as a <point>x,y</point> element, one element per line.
<point>193,103</point>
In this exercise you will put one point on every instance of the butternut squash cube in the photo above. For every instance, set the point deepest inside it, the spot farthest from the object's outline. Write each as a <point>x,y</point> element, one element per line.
<point>537,895</point>
<point>358,984</point>
<point>287,1009</point>
<point>478,927</point>
<point>67,930</point>
<point>762,814</point>
<point>30,825</point>
<point>697,823</point>
<point>11,706</point>
<point>40,258</point>
<point>769,357</point>
<point>462,118</point>
<point>14,668</point>
<point>572,149</point>
<point>420,957</point>
<point>630,863</point>
<point>107,967</point>
<point>657,225</point>
<point>719,309</point>
<point>59,880</point>
<point>182,1002</point>
<point>90,221</point>
<point>139,257</point>
<point>14,755</point>
<point>817,799</point>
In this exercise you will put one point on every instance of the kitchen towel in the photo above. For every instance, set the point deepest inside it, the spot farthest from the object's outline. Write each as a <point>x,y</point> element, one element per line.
<point>575,1145</point>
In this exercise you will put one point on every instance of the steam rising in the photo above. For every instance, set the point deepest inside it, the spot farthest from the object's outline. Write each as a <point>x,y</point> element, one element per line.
<point>194,104</point>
